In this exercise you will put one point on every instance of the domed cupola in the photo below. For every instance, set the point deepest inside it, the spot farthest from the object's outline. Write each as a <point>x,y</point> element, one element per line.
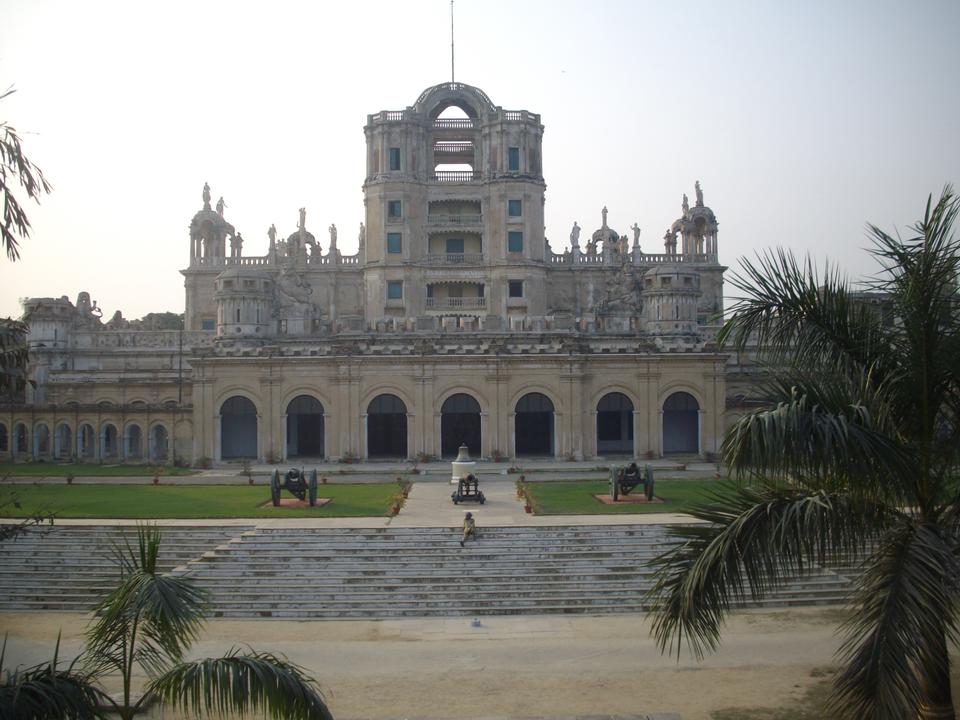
<point>209,232</point>
<point>604,239</point>
<point>244,302</point>
<point>697,227</point>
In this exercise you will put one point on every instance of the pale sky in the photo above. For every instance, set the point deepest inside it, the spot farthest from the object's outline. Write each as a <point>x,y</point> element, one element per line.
<point>802,120</point>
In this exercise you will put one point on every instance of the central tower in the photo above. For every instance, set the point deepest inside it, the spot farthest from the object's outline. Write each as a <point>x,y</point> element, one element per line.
<point>454,211</point>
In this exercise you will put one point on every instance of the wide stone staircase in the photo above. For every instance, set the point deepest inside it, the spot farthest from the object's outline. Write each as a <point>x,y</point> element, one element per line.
<point>326,573</point>
<point>67,567</point>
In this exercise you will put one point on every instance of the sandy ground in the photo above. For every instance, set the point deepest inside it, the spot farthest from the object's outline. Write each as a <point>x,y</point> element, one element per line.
<point>511,666</point>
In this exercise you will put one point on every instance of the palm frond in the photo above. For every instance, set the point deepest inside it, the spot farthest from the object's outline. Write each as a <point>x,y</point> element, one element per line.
<point>793,313</point>
<point>754,540</point>
<point>256,682</point>
<point>46,691</point>
<point>822,432</point>
<point>895,652</point>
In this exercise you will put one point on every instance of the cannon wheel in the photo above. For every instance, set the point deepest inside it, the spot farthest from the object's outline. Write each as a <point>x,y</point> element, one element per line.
<point>312,491</point>
<point>614,486</point>
<point>275,488</point>
<point>649,482</point>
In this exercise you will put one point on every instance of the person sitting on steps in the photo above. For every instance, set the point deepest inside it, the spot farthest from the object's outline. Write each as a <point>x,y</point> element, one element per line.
<point>469,529</point>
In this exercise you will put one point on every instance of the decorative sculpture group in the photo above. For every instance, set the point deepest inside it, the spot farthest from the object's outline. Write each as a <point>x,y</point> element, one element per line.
<point>294,482</point>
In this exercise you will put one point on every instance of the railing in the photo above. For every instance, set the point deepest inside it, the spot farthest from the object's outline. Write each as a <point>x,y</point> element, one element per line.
<point>459,220</point>
<point>388,116</point>
<point>455,258</point>
<point>456,303</point>
<point>454,124</point>
<point>455,176</point>
<point>454,148</point>
<point>394,219</point>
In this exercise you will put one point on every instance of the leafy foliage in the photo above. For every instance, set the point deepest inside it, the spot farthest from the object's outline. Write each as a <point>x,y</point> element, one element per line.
<point>854,457</point>
<point>16,170</point>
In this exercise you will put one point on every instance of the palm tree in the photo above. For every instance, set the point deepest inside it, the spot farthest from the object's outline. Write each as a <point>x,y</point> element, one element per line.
<point>855,456</point>
<point>148,621</point>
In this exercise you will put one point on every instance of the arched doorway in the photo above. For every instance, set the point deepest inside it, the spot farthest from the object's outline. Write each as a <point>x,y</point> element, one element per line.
<point>615,425</point>
<point>85,442</point>
<point>4,438</point>
<point>133,443</point>
<point>62,442</point>
<point>305,427</point>
<point>41,441</point>
<point>238,428</point>
<point>533,425</point>
<point>159,443</point>
<point>108,442</point>
<point>20,439</point>
<point>460,425</point>
<point>681,424</point>
<point>387,427</point>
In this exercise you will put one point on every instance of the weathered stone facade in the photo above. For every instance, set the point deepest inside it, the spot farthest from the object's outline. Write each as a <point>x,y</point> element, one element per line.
<point>455,322</point>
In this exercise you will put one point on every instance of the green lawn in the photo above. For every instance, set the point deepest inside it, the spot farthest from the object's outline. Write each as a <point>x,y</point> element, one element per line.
<point>49,469</point>
<point>192,501</point>
<point>576,497</point>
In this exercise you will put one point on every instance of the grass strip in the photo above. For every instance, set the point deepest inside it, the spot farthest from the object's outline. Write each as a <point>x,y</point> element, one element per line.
<point>150,501</point>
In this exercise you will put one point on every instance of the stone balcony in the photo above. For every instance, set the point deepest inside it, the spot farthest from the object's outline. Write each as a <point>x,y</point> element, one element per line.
<point>456,303</point>
<point>454,259</point>
<point>455,176</point>
<point>455,220</point>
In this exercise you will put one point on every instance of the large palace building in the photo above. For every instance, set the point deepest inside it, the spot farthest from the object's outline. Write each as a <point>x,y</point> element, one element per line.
<point>454,323</point>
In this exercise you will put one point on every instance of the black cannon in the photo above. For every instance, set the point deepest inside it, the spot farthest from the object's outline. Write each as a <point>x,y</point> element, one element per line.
<point>468,490</point>
<point>295,482</point>
<point>623,480</point>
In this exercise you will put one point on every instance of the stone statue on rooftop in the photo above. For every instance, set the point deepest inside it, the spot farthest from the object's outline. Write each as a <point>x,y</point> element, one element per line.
<point>697,189</point>
<point>362,238</point>
<point>303,219</point>
<point>636,235</point>
<point>333,237</point>
<point>272,234</point>
<point>220,206</point>
<point>575,236</point>
<point>236,245</point>
<point>603,213</point>
<point>685,206</point>
<point>206,196</point>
